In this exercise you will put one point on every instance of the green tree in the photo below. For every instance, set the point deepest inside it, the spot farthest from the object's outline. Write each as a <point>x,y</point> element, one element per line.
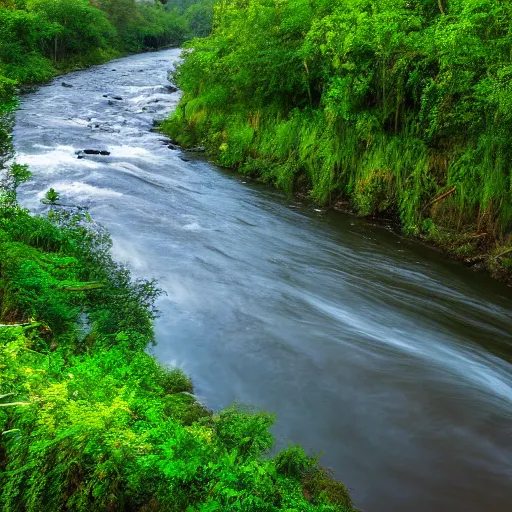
<point>52,197</point>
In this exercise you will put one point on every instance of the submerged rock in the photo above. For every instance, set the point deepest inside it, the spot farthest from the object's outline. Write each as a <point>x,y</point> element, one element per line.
<point>66,84</point>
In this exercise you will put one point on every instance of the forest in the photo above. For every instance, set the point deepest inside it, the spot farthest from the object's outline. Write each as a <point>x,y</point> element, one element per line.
<point>39,38</point>
<point>395,109</point>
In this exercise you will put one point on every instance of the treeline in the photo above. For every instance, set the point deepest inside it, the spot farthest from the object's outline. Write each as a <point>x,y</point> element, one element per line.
<point>396,107</point>
<point>40,37</point>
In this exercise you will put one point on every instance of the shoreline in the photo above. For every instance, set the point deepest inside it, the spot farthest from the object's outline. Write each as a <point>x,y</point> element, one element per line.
<point>445,242</point>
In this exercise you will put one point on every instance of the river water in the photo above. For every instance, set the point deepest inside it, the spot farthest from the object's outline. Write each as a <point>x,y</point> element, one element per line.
<point>392,360</point>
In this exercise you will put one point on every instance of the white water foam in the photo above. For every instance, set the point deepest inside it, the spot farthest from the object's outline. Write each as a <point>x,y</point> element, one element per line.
<point>53,161</point>
<point>78,189</point>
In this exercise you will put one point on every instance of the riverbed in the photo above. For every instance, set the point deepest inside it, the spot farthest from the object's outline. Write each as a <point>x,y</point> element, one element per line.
<point>390,359</point>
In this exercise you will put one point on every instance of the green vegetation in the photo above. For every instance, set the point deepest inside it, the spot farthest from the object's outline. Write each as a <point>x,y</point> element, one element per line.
<point>39,38</point>
<point>89,421</point>
<point>402,107</point>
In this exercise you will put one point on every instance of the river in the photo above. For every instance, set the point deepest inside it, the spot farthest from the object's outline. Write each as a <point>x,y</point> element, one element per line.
<point>392,360</point>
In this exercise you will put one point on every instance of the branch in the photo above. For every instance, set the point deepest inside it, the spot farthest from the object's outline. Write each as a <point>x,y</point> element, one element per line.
<point>442,196</point>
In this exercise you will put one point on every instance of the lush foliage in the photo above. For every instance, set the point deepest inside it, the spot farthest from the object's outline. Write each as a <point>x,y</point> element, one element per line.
<point>89,421</point>
<point>402,107</point>
<point>40,37</point>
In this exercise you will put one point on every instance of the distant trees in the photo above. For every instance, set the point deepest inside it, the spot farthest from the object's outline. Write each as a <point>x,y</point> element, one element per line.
<point>37,36</point>
<point>79,27</point>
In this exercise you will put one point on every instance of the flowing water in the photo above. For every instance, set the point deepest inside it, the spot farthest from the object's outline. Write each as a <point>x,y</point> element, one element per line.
<point>381,353</point>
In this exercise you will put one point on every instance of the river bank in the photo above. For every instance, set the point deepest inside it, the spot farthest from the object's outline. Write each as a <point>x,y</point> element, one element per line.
<point>376,106</point>
<point>90,420</point>
<point>478,251</point>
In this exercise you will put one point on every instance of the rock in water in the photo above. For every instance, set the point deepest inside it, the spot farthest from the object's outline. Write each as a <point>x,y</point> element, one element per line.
<point>95,152</point>
<point>66,84</point>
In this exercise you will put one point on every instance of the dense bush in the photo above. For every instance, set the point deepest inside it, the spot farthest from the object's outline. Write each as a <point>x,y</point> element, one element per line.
<point>403,107</point>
